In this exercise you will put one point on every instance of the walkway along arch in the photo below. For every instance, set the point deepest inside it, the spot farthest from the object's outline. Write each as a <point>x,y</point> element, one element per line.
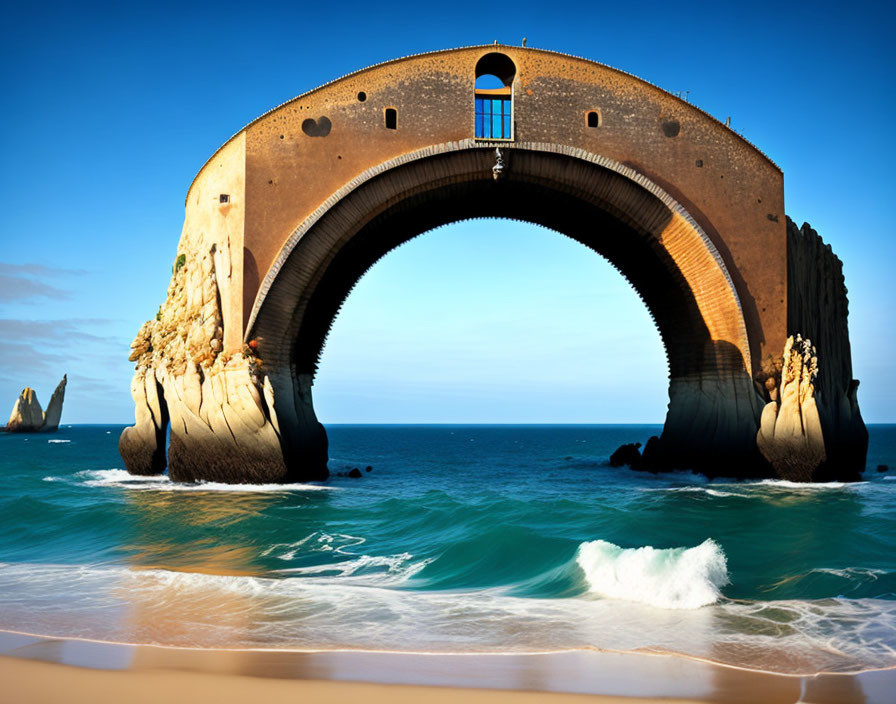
<point>289,214</point>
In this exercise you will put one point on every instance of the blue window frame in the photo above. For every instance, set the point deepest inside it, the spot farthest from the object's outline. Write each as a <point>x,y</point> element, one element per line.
<point>493,119</point>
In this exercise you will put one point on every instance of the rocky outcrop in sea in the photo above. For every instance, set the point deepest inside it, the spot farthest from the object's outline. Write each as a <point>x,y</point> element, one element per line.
<point>27,415</point>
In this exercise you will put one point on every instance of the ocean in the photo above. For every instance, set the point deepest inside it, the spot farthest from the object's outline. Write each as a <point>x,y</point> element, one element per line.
<point>460,539</point>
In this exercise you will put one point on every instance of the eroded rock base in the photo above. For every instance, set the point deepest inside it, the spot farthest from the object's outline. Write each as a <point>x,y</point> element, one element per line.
<point>725,427</point>
<point>710,428</point>
<point>790,435</point>
<point>142,446</point>
<point>818,310</point>
<point>797,427</point>
<point>223,428</point>
<point>218,410</point>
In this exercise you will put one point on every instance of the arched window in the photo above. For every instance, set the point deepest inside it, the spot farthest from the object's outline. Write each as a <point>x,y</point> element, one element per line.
<point>494,97</point>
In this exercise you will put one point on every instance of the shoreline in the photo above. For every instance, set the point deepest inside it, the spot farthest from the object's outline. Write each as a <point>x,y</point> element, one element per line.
<point>5,635</point>
<point>39,667</point>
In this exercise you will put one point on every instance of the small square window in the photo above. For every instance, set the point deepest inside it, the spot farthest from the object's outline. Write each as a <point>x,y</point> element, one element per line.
<point>224,198</point>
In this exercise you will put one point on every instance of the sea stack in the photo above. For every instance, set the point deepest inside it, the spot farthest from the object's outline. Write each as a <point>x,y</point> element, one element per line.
<point>27,415</point>
<point>54,409</point>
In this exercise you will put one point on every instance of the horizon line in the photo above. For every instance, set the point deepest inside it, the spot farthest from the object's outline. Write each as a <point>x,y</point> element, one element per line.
<point>432,424</point>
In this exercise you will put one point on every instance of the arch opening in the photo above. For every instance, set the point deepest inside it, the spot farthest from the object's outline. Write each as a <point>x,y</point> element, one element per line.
<point>496,64</point>
<point>647,237</point>
<point>489,81</point>
<point>334,253</point>
<point>492,321</point>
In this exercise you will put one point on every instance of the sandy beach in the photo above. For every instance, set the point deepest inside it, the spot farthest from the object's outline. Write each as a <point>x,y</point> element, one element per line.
<point>40,669</point>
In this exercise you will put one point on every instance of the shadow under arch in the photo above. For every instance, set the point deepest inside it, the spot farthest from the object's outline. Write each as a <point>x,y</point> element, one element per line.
<point>613,210</point>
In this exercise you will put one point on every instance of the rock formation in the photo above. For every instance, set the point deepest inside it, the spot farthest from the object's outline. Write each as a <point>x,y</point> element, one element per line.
<point>790,435</point>
<point>54,410</point>
<point>628,454</point>
<point>817,309</point>
<point>220,406</point>
<point>710,428</point>
<point>812,429</point>
<point>28,416</point>
<point>797,419</point>
<point>800,416</point>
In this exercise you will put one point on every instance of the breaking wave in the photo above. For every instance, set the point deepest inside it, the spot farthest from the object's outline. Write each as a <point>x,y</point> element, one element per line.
<point>675,578</point>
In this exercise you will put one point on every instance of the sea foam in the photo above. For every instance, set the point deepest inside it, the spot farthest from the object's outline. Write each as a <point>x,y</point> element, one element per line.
<point>675,578</point>
<point>120,479</point>
<point>165,607</point>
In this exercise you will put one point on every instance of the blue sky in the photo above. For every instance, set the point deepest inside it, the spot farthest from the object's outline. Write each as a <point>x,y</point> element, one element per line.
<point>110,110</point>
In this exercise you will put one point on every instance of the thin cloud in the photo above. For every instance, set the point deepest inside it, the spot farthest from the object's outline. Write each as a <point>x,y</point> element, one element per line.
<point>32,347</point>
<point>37,353</point>
<point>61,332</point>
<point>22,289</point>
<point>39,270</point>
<point>25,283</point>
<point>20,360</point>
<point>42,371</point>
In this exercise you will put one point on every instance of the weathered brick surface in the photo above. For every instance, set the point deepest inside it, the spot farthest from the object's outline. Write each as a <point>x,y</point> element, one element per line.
<point>289,174</point>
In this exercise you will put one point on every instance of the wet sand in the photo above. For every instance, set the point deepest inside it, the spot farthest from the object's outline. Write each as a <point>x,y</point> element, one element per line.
<point>41,669</point>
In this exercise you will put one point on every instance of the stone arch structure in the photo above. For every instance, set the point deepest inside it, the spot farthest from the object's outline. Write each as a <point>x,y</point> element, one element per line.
<point>289,214</point>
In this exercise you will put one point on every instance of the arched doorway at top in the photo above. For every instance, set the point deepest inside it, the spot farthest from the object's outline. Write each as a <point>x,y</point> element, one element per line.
<point>495,73</point>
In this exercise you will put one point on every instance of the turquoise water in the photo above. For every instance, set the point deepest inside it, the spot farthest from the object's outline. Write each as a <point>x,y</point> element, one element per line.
<point>461,538</point>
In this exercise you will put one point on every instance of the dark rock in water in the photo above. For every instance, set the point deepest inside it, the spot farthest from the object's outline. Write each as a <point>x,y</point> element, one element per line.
<point>355,473</point>
<point>649,457</point>
<point>651,449</point>
<point>646,461</point>
<point>883,468</point>
<point>626,455</point>
<point>817,307</point>
<point>368,468</point>
<point>568,458</point>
